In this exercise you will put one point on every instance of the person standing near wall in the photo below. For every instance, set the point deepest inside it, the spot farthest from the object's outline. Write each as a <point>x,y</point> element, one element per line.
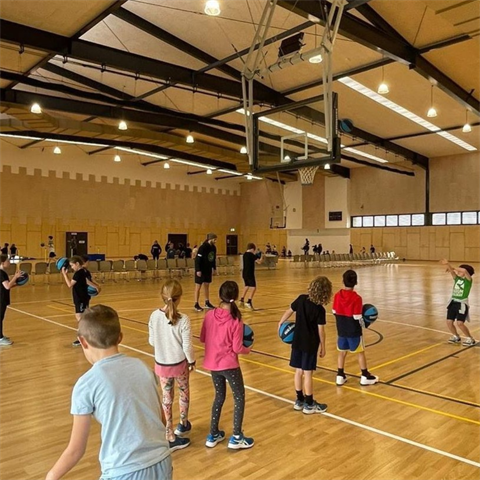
<point>205,265</point>
<point>156,250</point>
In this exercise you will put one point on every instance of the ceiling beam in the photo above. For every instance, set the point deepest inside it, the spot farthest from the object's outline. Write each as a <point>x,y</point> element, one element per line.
<point>172,40</point>
<point>167,152</point>
<point>388,44</point>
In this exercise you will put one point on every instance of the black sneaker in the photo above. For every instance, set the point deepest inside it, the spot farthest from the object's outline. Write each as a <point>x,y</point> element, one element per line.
<point>76,343</point>
<point>208,305</point>
<point>198,308</point>
<point>179,443</point>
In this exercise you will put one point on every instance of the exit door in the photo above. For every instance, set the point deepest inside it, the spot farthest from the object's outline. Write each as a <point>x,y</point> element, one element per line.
<point>76,243</point>
<point>232,245</point>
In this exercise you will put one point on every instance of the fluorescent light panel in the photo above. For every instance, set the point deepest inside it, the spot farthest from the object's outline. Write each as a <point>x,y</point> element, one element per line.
<point>358,87</point>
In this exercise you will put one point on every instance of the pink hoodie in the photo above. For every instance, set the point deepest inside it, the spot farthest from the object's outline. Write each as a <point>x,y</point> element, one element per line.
<point>223,339</point>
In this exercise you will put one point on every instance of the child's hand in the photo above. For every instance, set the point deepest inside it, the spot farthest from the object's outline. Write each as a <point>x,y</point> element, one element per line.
<point>191,366</point>
<point>322,351</point>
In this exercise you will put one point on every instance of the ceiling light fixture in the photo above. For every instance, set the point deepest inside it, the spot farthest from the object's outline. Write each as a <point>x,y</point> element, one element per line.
<point>122,125</point>
<point>358,87</point>
<point>327,166</point>
<point>466,128</point>
<point>212,8</point>
<point>36,108</point>
<point>383,87</point>
<point>190,138</point>
<point>209,171</point>
<point>431,111</point>
<point>243,150</point>
<point>316,58</point>
<point>249,176</point>
<point>166,165</point>
<point>57,150</point>
<point>117,158</point>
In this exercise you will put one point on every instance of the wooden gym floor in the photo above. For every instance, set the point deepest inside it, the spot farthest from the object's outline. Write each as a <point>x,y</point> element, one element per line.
<point>420,422</point>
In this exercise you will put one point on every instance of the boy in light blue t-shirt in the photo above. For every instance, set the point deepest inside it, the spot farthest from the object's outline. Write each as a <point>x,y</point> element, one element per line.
<point>120,392</point>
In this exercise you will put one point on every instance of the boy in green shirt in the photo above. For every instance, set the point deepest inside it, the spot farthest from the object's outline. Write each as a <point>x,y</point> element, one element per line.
<point>458,307</point>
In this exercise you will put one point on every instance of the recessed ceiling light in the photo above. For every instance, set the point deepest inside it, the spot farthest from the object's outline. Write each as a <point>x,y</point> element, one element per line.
<point>212,8</point>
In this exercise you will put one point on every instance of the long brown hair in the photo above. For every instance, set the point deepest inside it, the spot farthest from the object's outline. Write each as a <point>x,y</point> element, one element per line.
<point>228,293</point>
<point>171,293</point>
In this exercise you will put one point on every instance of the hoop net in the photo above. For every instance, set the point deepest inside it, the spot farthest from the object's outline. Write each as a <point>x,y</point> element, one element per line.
<point>307,174</point>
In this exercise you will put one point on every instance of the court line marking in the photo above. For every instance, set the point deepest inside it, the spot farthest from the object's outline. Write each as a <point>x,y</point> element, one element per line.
<point>407,356</point>
<point>335,417</point>
<point>377,395</point>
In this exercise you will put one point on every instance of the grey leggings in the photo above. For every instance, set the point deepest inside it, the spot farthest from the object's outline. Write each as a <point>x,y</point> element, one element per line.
<point>235,379</point>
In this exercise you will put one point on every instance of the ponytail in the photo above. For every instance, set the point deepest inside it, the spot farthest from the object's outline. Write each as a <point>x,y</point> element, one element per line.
<point>171,292</point>
<point>228,294</point>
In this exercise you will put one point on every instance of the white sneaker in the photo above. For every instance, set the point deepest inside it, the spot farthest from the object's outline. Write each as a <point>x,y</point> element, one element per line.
<point>371,380</point>
<point>341,380</point>
<point>5,341</point>
<point>468,342</point>
<point>454,339</point>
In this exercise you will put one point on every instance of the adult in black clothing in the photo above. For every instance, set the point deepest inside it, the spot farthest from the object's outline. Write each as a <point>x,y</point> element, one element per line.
<point>6,284</point>
<point>306,247</point>
<point>351,249</point>
<point>248,274</point>
<point>205,265</point>
<point>156,250</point>
<point>188,251</point>
<point>13,250</point>
<point>372,249</point>
<point>4,249</point>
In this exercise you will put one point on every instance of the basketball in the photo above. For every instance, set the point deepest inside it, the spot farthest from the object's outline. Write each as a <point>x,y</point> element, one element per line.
<point>286,332</point>
<point>247,336</point>
<point>369,314</point>
<point>23,279</point>
<point>61,263</point>
<point>92,291</point>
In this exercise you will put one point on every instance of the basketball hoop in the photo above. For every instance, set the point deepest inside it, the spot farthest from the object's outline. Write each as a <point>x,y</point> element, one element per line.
<point>307,174</point>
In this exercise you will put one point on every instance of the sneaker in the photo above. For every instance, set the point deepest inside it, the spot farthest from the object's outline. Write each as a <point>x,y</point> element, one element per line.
<point>212,440</point>
<point>249,305</point>
<point>76,343</point>
<point>209,305</point>
<point>341,380</point>
<point>238,442</point>
<point>183,429</point>
<point>314,408</point>
<point>368,380</point>
<point>241,302</point>
<point>179,443</point>
<point>298,405</point>
<point>5,341</point>
<point>468,342</point>
<point>454,339</point>
<point>198,308</point>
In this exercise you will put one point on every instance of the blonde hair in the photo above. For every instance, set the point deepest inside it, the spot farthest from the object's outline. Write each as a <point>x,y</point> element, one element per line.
<point>320,291</point>
<point>171,292</point>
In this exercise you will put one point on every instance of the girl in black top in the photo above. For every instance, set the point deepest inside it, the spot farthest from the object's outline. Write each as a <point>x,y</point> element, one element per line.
<point>248,274</point>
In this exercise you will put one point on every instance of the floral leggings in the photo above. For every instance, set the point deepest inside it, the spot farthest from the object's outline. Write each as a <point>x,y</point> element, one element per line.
<point>167,384</point>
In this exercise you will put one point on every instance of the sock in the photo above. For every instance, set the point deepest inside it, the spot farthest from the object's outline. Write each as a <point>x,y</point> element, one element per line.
<point>249,301</point>
<point>340,372</point>
<point>366,373</point>
<point>309,399</point>
<point>300,396</point>
<point>241,300</point>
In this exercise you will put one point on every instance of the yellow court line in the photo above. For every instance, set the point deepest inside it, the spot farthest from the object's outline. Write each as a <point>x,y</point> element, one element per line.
<point>434,394</point>
<point>407,356</point>
<point>377,395</point>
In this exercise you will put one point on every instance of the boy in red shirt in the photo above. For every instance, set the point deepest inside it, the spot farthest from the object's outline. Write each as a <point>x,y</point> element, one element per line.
<point>347,308</point>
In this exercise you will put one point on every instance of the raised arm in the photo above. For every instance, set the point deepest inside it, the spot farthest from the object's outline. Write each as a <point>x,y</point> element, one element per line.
<point>450,269</point>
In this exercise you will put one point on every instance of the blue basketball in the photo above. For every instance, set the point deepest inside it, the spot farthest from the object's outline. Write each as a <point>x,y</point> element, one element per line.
<point>92,291</point>
<point>23,279</point>
<point>286,332</point>
<point>369,314</point>
<point>62,263</point>
<point>247,336</point>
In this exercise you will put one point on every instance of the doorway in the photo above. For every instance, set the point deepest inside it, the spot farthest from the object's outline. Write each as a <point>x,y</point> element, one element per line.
<point>232,244</point>
<point>177,239</point>
<point>76,243</point>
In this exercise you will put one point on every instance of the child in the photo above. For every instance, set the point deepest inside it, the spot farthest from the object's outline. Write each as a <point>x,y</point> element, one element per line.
<point>170,334</point>
<point>79,285</point>
<point>458,308</point>
<point>248,274</point>
<point>309,335</point>
<point>347,308</point>
<point>222,333</point>
<point>86,261</point>
<point>5,288</point>
<point>51,250</point>
<point>205,265</point>
<point>120,392</point>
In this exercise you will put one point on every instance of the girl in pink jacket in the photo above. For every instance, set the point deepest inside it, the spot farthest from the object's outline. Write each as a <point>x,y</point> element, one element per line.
<point>222,333</point>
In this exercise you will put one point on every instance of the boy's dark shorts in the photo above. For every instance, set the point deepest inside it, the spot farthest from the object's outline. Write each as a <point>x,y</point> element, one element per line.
<point>457,311</point>
<point>250,282</point>
<point>80,307</point>
<point>52,255</point>
<point>204,278</point>
<point>303,360</point>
